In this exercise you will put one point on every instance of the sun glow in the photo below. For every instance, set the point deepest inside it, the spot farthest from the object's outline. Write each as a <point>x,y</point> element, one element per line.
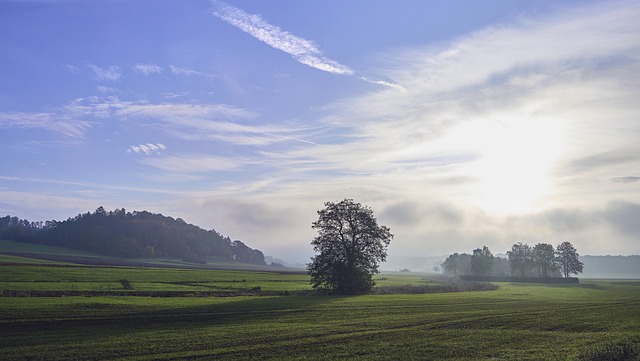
<point>516,157</point>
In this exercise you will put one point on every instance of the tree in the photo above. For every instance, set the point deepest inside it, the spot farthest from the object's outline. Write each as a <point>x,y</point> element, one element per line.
<point>482,261</point>
<point>351,244</point>
<point>544,259</point>
<point>457,264</point>
<point>567,258</point>
<point>501,267</point>
<point>148,252</point>
<point>520,258</point>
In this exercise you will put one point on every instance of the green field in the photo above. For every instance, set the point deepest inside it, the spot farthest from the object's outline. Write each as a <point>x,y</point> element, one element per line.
<point>177,314</point>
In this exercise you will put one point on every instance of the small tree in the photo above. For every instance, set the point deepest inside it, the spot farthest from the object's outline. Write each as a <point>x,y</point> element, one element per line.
<point>351,244</point>
<point>567,258</point>
<point>520,258</point>
<point>544,259</point>
<point>148,252</point>
<point>482,261</point>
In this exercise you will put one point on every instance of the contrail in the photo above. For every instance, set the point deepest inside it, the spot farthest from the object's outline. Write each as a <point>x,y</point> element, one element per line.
<point>304,51</point>
<point>385,83</point>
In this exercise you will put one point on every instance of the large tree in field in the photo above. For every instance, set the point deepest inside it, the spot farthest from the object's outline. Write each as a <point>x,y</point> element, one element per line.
<point>351,245</point>
<point>567,258</point>
<point>544,259</point>
<point>520,258</point>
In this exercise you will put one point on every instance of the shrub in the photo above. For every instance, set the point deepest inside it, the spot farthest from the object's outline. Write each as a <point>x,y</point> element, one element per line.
<point>125,284</point>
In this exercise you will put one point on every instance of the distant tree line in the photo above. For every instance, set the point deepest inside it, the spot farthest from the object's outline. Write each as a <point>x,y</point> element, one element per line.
<point>541,260</point>
<point>611,266</point>
<point>131,234</point>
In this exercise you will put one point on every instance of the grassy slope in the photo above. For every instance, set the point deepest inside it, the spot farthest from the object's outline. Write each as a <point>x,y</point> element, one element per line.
<point>13,246</point>
<point>29,253</point>
<point>515,322</point>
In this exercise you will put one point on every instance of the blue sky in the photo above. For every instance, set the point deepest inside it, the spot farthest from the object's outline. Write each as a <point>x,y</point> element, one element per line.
<point>461,123</point>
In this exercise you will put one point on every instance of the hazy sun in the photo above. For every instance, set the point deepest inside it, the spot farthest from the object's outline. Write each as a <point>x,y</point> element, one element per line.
<point>516,157</point>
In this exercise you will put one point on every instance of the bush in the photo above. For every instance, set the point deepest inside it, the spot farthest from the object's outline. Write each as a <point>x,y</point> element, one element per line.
<point>125,284</point>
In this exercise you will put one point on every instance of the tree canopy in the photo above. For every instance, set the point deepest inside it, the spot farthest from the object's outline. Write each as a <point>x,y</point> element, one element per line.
<point>520,258</point>
<point>457,264</point>
<point>350,244</point>
<point>567,259</point>
<point>544,259</point>
<point>482,261</point>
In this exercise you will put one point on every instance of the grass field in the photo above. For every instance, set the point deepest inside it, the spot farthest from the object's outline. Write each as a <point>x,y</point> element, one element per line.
<point>517,321</point>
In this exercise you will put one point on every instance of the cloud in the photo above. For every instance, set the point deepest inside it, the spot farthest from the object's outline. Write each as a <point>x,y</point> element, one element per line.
<point>385,83</point>
<point>73,69</point>
<point>218,122</point>
<point>522,105</point>
<point>172,95</point>
<point>52,121</point>
<point>192,122</point>
<point>409,213</point>
<point>625,180</point>
<point>147,69</point>
<point>147,149</point>
<point>111,73</point>
<point>538,116</point>
<point>107,90</point>
<point>192,163</point>
<point>304,51</point>
<point>606,159</point>
<point>190,72</point>
<point>624,217</point>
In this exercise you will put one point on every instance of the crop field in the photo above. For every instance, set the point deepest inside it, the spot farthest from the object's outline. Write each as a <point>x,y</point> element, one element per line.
<point>516,321</point>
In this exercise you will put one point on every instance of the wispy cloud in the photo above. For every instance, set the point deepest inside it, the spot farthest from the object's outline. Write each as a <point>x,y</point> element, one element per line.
<point>190,72</point>
<point>625,180</point>
<point>304,51</point>
<point>209,122</point>
<point>73,69</point>
<point>107,90</point>
<point>111,73</point>
<point>172,95</point>
<point>383,82</point>
<point>193,122</point>
<point>147,149</point>
<point>192,163</point>
<point>90,185</point>
<point>60,123</point>
<point>147,69</point>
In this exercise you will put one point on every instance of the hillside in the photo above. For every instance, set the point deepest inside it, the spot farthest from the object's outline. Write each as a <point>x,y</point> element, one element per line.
<point>138,234</point>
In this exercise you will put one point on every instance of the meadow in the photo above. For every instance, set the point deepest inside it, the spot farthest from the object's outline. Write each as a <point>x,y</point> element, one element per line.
<point>516,321</point>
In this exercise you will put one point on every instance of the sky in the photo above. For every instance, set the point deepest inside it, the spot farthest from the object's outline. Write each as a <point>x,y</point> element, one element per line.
<point>460,123</point>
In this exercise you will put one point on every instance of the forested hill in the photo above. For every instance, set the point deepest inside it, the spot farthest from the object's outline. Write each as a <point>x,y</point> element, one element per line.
<point>131,234</point>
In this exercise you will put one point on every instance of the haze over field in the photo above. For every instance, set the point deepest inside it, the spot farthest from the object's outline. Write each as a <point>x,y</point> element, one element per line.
<point>461,124</point>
